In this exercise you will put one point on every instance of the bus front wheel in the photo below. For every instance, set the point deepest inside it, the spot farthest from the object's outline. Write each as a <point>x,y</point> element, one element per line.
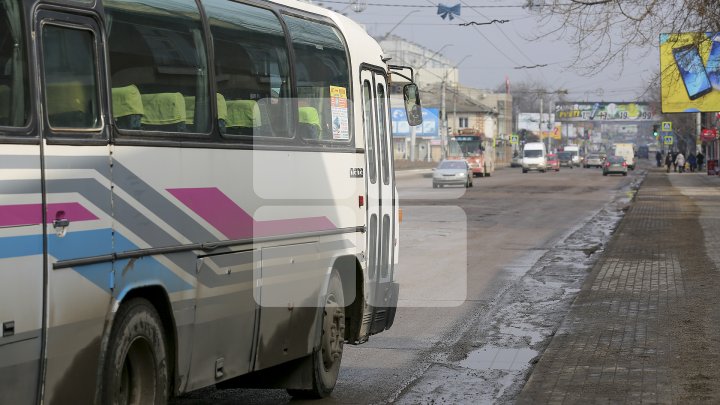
<point>326,359</point>
<point>136,366</point>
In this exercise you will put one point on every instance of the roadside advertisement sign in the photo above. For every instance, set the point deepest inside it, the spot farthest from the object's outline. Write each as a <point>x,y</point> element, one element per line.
<point>531,121</point>
<point>690,72</point>
<point>605,111</point>
<point>708,135</point>
<point>429,128</point>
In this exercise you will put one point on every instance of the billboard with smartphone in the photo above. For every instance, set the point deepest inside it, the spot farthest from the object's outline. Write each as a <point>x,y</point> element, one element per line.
<point>690,72</point>
<point>604,111</point>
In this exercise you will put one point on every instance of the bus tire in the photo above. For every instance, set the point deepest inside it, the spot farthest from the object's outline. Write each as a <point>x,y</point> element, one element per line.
<point>136,366</point>
<point>326,359</point>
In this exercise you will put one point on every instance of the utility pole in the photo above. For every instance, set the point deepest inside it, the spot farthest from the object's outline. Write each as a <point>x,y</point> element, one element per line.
<point>413,137</point>
<point>412,143</point>
<point>443,126</point>
<point>541,124</point>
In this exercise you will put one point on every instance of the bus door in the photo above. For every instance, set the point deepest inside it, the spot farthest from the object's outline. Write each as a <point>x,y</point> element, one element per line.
<point>21,241</point>
<point>380,199</point>
<point>78,201</point>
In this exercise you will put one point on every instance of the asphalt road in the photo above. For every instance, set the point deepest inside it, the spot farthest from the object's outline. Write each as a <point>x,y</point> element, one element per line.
<point>459,251</point>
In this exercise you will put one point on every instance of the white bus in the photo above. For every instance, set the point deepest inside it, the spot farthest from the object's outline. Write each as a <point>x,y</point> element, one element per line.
<point>192,193</point>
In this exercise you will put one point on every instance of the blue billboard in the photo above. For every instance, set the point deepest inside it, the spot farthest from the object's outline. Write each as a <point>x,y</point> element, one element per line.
<point>430,128</point>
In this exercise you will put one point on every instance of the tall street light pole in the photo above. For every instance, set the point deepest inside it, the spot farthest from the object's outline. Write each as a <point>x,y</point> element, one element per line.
<point>397,25</point>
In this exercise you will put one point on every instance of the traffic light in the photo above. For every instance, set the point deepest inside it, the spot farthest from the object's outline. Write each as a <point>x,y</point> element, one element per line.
<point>656,129</point>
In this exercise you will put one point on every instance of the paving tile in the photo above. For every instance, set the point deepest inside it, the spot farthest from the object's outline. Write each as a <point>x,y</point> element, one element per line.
<point>646,327</point>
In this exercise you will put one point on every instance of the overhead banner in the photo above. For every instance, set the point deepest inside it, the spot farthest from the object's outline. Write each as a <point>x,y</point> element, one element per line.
<point>690,72</point>
<point>603,111</point>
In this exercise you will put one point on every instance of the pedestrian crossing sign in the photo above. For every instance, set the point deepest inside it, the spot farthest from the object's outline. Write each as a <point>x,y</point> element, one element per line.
<point>513,139</point>
<point>667,126</point>
<point>668,140</point>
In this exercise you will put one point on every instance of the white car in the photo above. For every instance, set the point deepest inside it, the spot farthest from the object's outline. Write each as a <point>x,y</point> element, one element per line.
<point>452,172</point>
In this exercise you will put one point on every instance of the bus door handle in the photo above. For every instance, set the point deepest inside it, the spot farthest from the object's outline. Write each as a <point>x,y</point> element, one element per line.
<point>60,224</point>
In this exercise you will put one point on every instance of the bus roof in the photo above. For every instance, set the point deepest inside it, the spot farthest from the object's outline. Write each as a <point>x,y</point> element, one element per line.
<point>360,44</point>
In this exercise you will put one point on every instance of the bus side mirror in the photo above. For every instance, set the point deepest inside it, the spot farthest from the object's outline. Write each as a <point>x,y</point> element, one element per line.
<point>413,109</point>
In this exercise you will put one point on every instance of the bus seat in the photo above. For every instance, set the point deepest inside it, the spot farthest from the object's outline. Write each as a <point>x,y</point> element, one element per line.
<point>190,110</point>
<point>127,107</point>
<point>67,105</point>
<point>243,116</point>
<point>309,122</point>
<point>4,105</point>
<point>222,112</point>
<point>164,112</point>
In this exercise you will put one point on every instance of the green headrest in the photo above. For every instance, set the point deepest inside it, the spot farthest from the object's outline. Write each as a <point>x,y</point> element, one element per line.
<point>243,113</point>
<point>163,108</point>
<point>190,108</point>
<point>66,97</point>
<point>309,115</point>
<point>126,101</point>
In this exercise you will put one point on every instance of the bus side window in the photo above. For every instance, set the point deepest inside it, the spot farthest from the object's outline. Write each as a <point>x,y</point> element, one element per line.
<point>163,56</point>
<point>70,77</point>
<point>251,68</point>
<point>323,83</point>
<point>14,93</point>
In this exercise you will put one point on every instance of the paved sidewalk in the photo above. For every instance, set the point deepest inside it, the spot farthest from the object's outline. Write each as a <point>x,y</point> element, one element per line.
<point>646,326</point>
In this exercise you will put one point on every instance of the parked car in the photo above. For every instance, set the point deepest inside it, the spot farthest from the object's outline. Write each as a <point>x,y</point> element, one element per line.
<point>516,161</point>
<point>593,160</point>
<point>615,164</point>
<point>565,158</point>
<point>452,172</point>
<point>552,162</point>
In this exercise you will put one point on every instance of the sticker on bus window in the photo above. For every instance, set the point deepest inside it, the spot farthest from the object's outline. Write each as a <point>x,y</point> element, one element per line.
<point>339,108</point>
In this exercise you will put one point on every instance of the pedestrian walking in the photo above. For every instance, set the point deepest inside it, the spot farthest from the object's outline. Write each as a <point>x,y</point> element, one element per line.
<point>692,162</point>
<point>680,162</point>
<point>668,161</point>
<point>700,160</point>
<point>674,160</point>
<point>658,158</point>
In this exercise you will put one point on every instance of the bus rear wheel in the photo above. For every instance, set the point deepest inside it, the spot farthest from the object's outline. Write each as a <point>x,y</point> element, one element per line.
<point>326,359</point>
<point>135,369</point>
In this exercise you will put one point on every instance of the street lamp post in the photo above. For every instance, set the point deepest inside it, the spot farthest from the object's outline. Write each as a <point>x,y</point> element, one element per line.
<point>397,25</point>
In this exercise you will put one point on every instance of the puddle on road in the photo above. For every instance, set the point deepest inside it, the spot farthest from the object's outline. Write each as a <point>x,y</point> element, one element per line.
<point>498,358</point>
<point>524,330</point>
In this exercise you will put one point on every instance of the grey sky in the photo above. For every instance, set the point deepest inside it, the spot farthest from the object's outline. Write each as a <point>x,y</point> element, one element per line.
<point>497,49</point>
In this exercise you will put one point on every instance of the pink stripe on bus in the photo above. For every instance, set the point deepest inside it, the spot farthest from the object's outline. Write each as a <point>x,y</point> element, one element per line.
<point>231,220</point>
<point>31,214</point>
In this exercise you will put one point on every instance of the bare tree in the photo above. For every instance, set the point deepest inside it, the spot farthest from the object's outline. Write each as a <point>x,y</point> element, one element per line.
<point>609,31</point>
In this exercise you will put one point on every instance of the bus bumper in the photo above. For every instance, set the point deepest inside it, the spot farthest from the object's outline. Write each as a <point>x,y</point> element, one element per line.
<point>383,315</point>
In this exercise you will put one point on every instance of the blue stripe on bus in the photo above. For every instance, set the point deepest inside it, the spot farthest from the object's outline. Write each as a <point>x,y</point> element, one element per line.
<point>77,244</point>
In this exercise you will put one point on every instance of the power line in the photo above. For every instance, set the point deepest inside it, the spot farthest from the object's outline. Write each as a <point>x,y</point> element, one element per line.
<point>435,5</point>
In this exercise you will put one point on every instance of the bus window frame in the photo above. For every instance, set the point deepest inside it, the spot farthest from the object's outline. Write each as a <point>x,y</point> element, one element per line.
<point>327,143</point>
<point>216,140</point>
<point>143,137</point>
<point>28,133</point>
<point>86,21</point>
